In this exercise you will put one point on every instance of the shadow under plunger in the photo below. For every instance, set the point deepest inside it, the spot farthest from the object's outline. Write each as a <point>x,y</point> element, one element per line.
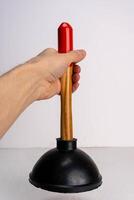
<point>66,168</point>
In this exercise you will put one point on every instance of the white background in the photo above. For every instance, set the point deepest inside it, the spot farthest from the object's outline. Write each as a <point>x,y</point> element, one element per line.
<point>103,107</point>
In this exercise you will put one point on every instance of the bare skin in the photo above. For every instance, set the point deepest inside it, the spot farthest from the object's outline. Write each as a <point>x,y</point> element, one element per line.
<point>37,79</point>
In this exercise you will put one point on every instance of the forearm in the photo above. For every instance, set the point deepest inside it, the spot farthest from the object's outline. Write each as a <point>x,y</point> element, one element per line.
<point>18,89</point>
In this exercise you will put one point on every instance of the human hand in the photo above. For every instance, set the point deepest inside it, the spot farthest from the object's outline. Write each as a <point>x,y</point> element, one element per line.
<point>50,66</point>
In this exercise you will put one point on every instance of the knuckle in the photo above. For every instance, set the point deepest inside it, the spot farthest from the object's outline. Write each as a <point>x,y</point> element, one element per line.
<point>51,50</point>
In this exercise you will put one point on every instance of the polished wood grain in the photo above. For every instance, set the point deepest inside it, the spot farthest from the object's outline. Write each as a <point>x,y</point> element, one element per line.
<point>66,105</point>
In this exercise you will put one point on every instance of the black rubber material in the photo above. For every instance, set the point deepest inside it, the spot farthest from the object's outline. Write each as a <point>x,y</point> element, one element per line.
<point>66,169</point>
<point>64,145</point>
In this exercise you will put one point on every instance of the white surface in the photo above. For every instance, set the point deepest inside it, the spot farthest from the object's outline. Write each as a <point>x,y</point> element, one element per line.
<point>115,164</point>
<point>103,107</point>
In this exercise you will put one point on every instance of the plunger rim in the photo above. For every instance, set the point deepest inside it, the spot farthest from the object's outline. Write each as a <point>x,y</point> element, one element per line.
<point>67,189</point>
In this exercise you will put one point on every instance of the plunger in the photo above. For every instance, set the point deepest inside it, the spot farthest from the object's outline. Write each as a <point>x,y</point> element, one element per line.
<point>66,168</point>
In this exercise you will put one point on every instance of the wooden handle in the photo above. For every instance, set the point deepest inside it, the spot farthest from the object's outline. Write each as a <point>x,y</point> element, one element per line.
<point>66,105</point>
<point>65,44</point>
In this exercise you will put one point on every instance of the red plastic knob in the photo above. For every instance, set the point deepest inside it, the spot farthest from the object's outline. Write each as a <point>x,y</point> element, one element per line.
<point>65,38</point>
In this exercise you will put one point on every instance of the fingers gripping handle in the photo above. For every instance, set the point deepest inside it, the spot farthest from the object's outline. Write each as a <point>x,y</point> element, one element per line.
<point>65,44</point>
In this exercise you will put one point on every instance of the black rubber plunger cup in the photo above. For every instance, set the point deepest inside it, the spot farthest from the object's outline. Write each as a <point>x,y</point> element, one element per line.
<point>66,168</point>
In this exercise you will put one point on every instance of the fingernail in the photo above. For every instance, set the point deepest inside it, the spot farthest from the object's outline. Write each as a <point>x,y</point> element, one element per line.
<point>81,51</point>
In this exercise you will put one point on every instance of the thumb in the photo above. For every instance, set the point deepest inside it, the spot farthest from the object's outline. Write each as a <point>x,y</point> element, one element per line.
<point>75,56</point>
